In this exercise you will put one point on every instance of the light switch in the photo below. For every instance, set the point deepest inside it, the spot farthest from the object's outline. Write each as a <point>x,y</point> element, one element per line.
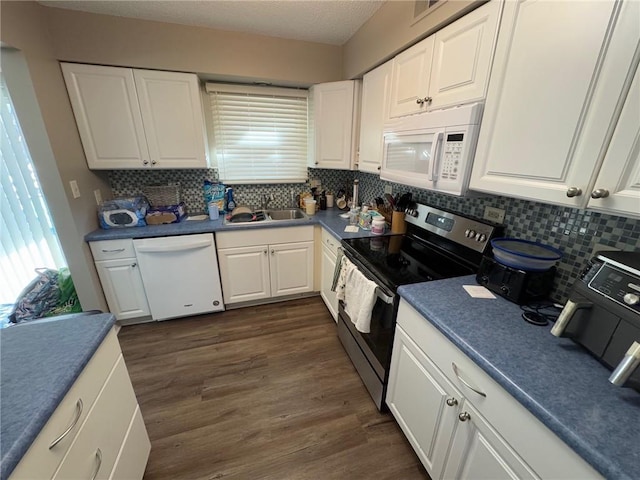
<point>75,191</point>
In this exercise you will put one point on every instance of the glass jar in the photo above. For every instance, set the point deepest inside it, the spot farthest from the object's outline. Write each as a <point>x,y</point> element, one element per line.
<point>365,218</point>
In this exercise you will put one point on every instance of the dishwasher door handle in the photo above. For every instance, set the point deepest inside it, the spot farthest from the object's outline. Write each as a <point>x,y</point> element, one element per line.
<point>180,247</point>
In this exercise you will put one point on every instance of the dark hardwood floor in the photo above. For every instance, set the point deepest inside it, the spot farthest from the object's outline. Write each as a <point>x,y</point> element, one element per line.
<point>259,393</point>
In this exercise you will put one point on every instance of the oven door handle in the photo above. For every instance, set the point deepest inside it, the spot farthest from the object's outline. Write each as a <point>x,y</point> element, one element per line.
<point>383,296</point>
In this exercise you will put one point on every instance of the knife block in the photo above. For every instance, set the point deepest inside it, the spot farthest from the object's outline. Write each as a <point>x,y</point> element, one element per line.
<point>398,223</point>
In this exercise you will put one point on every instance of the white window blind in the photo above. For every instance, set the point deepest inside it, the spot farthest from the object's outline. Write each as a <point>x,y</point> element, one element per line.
<point>27,236</point>
<point>259,133</point>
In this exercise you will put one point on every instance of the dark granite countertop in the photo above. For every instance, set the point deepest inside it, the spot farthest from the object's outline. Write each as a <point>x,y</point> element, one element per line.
<point>569,392</point>
<point>39,362</point>
<point>329,219</point>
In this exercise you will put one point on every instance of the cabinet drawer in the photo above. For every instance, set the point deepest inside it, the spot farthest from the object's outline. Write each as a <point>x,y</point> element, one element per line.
<point>112,249</point>
<point>40,461</point>
<point>515,423</point>
<point>99,440</point>
<point>329,241</point>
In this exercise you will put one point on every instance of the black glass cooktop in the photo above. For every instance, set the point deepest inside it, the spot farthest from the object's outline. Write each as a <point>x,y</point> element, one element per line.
<point>401,259</point>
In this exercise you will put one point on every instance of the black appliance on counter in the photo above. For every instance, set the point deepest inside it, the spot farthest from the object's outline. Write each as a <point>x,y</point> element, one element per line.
<point>437,244</point>
<point>603,312</point>
<point>519,286</point>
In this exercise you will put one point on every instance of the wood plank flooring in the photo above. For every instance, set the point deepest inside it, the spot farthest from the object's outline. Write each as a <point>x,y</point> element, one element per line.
<point>259,393</point>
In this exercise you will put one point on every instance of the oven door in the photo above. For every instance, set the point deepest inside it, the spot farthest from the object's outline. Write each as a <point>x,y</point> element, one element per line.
<point>370,352</point>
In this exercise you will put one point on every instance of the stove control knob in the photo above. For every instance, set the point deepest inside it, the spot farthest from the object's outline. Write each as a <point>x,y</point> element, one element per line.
<point>631,299</point>
<point>482,238</point>
<point>478,235</point>
<point>470,233</point>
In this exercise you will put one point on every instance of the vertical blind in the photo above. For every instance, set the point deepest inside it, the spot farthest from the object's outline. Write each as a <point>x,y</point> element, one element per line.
<point>27,236</point>
<point>259,133</point>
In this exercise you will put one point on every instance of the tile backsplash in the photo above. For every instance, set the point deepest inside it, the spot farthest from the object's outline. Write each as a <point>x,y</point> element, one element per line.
<point>576,232</point>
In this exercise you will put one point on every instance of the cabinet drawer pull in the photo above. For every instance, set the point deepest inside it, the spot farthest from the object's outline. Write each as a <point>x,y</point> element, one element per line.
<point>98,464</point>
<point>452,402</point>
<point>455,370</point>
<point>464,416</point>
<point>70,427</point>
<point>117,250</point>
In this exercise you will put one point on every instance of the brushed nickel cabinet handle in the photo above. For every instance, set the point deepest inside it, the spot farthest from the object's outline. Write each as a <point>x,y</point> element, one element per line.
<point>273,252</point>
<point>145,162</point>
<point>574,192</point>
<point>70,427</point>
<point>420,101</point>
<point>153,162</point>
<point>117,250</point>
<point>428,100</point>
<point>452,402</point>
<point>600,193</point>
<point>134,265</point>
<point>455,370</point>
<point>464,416</point>
<point>98,464</point>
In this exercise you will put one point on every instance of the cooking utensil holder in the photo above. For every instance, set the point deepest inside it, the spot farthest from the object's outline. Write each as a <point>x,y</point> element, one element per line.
<point>398,223</point>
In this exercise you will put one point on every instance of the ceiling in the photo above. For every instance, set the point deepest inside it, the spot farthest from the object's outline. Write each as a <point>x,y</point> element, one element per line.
<point>324,21</point>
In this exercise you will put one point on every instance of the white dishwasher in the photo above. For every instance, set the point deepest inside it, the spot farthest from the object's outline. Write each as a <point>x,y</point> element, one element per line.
<point>180,275</point>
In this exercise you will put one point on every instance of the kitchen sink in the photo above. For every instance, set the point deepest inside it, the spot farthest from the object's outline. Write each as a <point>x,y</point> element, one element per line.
<point>258,217</point>
<point>287,214</point>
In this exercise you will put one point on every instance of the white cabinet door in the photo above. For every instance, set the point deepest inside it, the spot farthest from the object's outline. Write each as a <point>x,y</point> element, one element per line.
<point>541,101</point>
<point>620,172</point>
<point>123,288</point>
<point>478,452</point>
<point>329,297</point>
<point>462,57</point>
<point>245,273</point>
<point>173,119</point>
<point>376,87</point>
<point>180,275</point>
<point>423,402</point>
<point>291,267</point>
<point>410,79</point>
<point>105,105</point>
<point>335,121</point>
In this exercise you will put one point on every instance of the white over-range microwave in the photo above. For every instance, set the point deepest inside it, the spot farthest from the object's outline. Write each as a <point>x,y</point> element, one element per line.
<point>432,150</point>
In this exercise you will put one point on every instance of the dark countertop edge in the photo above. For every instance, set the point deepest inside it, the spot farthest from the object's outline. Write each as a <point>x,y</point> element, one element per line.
<point>13,456</point>
<point>590,455</point>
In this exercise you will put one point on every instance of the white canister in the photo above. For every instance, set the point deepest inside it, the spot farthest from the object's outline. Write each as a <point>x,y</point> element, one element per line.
<point>329,200</point>
<point>310,206</point>
<point>378,225</point>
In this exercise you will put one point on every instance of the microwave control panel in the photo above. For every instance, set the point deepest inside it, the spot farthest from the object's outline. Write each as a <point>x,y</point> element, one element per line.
<point>451,156</point>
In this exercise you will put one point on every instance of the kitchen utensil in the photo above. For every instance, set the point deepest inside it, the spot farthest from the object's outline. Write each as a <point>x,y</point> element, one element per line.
<point>390,199</point>
<point>242,213</point>
<point>524,254</point>
<point>341,202</point>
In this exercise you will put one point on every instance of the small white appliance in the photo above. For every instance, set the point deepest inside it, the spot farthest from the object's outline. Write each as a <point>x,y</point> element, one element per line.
<point>432,150</point>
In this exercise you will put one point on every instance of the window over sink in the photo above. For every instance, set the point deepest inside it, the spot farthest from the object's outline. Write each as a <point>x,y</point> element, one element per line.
<point>259,133</point>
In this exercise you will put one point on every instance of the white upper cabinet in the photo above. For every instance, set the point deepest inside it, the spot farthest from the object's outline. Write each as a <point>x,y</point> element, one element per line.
<point>137,118</point>
<point>617,187</point>
<point>105,104</point>
<point>554,99</point>
<point>373,113</point>
<point>334,114</point>
<point>449,68</point>
<point>410,79</point>
<point>173,118</point>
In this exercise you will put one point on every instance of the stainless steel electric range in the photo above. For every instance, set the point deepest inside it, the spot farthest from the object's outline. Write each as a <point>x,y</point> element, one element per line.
<point>437,244</point>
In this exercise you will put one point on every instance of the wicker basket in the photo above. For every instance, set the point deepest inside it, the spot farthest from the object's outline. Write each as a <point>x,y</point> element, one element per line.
<point>162,195</point>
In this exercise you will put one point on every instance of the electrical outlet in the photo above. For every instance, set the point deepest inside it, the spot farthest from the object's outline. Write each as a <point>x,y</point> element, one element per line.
<point>98,194</point>
<point>388,189</point>
<point>75,191</point>
<point>494,214</point>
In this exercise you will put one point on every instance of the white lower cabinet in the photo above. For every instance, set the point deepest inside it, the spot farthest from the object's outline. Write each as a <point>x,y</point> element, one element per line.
<point>328,265</point>
<point>457,432</point>
<point>261,264</point>
<point>120,277</point>
<point>96,431</point>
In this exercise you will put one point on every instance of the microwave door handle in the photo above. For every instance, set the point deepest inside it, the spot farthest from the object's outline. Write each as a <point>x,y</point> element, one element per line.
<point>433,175</point>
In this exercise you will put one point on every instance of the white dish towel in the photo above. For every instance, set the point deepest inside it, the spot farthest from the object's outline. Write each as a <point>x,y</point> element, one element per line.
<point>359,298</point>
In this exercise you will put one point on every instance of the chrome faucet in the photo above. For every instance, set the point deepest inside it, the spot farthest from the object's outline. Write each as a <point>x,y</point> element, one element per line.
<point>265,201</point>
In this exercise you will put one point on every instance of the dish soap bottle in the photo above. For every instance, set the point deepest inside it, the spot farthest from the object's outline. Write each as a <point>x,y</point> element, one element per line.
<point>365,218</point>
<point>231,203</point>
